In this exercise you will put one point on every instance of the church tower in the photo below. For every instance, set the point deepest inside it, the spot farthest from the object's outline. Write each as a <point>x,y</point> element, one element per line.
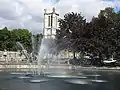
<point>50,23</point>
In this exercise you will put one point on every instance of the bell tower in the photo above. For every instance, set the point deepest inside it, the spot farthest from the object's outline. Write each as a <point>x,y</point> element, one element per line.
<point>50,23</point>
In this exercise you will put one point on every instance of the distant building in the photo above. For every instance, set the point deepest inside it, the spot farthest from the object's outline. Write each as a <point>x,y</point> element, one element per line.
<point>50,23</point>
<point>8,56</point>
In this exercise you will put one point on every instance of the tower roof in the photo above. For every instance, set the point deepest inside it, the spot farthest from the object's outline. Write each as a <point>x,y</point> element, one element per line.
<point>53,12</point>
<point>53,9</point>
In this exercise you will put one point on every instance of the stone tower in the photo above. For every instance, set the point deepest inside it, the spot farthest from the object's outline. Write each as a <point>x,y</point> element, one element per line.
<point>50,23</point>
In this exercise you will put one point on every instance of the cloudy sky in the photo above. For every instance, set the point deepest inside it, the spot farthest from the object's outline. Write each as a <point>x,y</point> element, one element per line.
<point>29,13</point>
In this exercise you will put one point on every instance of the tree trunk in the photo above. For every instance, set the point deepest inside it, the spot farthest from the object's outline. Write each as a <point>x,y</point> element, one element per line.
<point>100,59</point>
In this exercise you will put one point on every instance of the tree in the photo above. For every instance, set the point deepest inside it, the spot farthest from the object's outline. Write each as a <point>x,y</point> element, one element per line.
<point>70,32</point>
<point>8,39</point>
<point>98,38</point>
<point>23,36</point>
<point>104,31</point>
<point>4,36</point>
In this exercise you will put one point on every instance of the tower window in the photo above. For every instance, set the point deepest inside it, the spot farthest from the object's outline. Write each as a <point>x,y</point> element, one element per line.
<point>51,20</point>
<point>48,20</point>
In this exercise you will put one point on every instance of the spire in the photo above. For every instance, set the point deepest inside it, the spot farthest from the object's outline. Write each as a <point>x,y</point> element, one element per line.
<point>53,9</point>
<point>45,10</point>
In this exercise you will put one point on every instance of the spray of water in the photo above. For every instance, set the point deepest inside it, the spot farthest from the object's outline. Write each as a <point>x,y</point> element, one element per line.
<point>46,53</point>
<point>24,51</point>
<point>19,44</point>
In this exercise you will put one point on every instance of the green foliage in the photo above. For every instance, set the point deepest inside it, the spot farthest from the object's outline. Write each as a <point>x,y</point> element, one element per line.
<point>99,37</point>
<point>8,39</point>
<point>71,31</point>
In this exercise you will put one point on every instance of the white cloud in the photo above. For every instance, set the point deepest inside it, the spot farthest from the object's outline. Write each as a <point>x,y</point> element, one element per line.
<point>29,13</point>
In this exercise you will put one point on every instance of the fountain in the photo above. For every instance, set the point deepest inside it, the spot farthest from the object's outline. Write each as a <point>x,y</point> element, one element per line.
<point>45,57</point>
<point>28,61</point>
<point>45,54</point>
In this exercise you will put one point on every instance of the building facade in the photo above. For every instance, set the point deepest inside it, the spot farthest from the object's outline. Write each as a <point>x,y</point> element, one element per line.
<point>11,56</point>
<point>50,23</point>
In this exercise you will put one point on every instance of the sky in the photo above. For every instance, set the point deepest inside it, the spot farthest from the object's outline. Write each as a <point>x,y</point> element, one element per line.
<point>29,13</point>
